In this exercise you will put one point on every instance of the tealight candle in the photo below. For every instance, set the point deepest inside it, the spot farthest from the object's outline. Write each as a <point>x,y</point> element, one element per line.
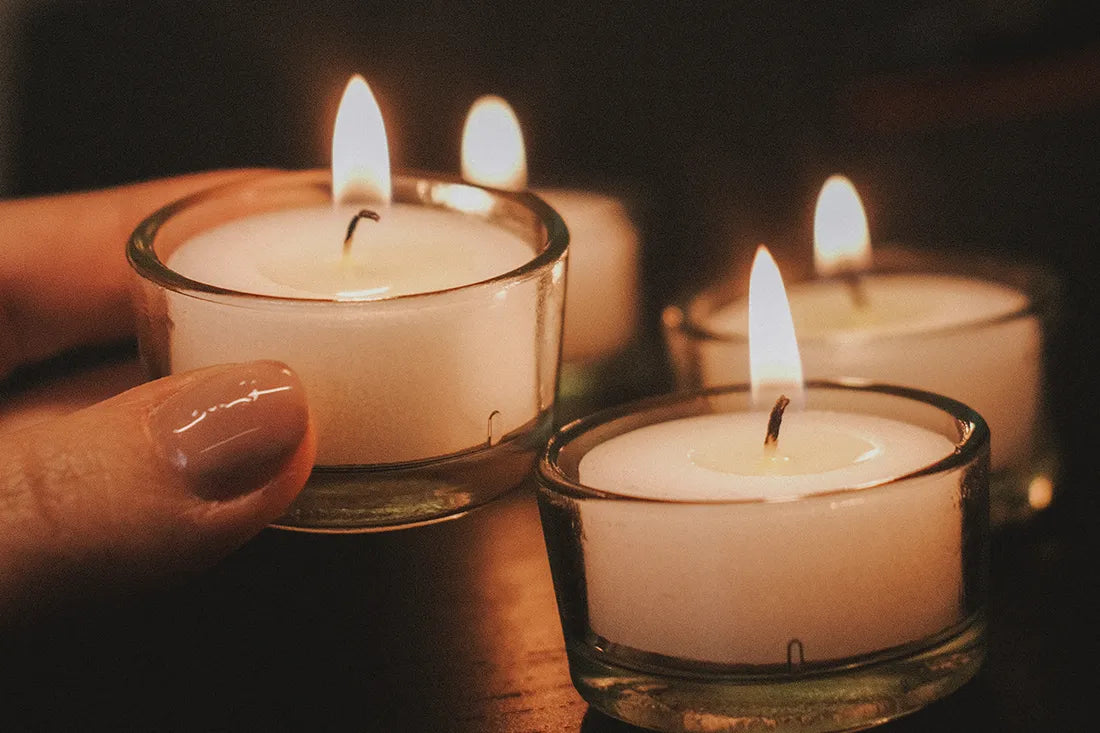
<point>844,577</point>
<point>961,335</point>
<point>601,307</point>
<point>708,551</point>
<point>425,330</point>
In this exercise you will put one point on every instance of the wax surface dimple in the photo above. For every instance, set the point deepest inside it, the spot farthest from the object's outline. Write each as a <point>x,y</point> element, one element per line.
<point>722,457</point>
<point>298,253</point>
<point>798,451</point>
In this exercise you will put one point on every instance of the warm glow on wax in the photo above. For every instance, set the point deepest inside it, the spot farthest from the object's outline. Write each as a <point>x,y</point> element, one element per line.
<point>492,146</point>
<point>774,364</point>
<point>842,242</point>
<point>360,152</point>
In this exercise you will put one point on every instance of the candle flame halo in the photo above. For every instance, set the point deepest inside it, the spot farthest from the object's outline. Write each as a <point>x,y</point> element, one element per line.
<point>842,241</point>
<point>775,367</point>
<point>360,151</point>
<point>493,152</point>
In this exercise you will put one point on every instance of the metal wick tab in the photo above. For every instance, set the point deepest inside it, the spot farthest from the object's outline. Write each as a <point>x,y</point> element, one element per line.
<point>493,428</point>
<point>795,658</point>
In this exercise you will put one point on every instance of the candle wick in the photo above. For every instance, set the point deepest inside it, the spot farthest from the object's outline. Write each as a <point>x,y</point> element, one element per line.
<point>855,288</point>
<point>363,214</point>
<point>775,420</point>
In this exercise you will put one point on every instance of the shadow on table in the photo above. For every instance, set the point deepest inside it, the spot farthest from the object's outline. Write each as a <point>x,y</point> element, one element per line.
<point>447,627</point>
<point>453,627</point>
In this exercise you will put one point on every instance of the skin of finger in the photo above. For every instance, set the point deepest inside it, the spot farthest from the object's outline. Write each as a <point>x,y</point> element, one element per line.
<point>86,504</point>
<point>64,279</point>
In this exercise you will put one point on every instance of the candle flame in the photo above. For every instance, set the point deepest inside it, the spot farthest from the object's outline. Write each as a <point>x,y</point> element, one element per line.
<point>842,243</point>
<point>492,146</point>
<point>775,366</point>
<point>360,152</point>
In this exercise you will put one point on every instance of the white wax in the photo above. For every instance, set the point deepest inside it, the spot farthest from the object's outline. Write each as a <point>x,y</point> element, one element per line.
<point>297,253</point>
<point>390,380</point>
<point>917,330</point>
<point>843,573</point>
<point>601,303</point>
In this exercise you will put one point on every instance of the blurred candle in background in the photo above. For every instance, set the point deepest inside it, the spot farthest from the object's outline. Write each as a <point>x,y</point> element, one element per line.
<point>601,303</point>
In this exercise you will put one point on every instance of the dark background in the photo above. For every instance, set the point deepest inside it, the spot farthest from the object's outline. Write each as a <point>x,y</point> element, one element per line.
<point>966,124</point>
<point>970,124</point>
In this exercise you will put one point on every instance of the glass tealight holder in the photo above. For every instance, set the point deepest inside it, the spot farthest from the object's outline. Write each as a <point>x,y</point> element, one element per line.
<point>997,364</point>
<point>822,612</point>
<point>425,405</point>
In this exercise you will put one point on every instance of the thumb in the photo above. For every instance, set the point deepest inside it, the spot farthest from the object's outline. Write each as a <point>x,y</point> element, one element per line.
<point>164,478</point>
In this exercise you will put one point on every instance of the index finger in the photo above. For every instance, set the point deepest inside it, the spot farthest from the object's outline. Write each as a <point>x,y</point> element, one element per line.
<point>63,270</point>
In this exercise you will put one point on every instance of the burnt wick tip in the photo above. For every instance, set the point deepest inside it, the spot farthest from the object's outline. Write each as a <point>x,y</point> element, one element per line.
<point>775,420</point>
<point>363,214</point>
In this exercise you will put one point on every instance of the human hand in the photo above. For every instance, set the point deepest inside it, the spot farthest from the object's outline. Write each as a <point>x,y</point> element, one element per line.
<point>164,478</point>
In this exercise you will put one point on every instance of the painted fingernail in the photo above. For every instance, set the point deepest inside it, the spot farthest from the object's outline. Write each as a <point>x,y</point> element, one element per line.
<point>229,433</point>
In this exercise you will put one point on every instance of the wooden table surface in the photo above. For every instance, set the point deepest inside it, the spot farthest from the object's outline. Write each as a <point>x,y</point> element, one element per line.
<point>449,627</point>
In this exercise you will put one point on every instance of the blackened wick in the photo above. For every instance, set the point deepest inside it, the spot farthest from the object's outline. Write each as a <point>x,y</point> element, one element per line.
<point>363,214</point>
<point>776,420</point>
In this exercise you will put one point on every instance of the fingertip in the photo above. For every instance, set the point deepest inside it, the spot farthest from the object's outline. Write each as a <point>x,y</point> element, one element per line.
<point>284,488</point>
<point>227,432</point>
<point>252,453</point>
<point>230,523</point>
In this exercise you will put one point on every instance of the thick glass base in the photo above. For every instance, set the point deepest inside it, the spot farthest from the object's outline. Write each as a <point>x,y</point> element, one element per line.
<point>847,698</point>
<point>396,496</point>
<point>1017,493</point>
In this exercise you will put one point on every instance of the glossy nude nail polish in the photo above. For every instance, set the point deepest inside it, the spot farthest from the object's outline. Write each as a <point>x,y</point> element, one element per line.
<point>230,432</point>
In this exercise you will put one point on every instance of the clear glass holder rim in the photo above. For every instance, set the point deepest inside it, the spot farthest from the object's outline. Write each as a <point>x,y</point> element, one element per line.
<point>974,430</point>
<point>142,256</point>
